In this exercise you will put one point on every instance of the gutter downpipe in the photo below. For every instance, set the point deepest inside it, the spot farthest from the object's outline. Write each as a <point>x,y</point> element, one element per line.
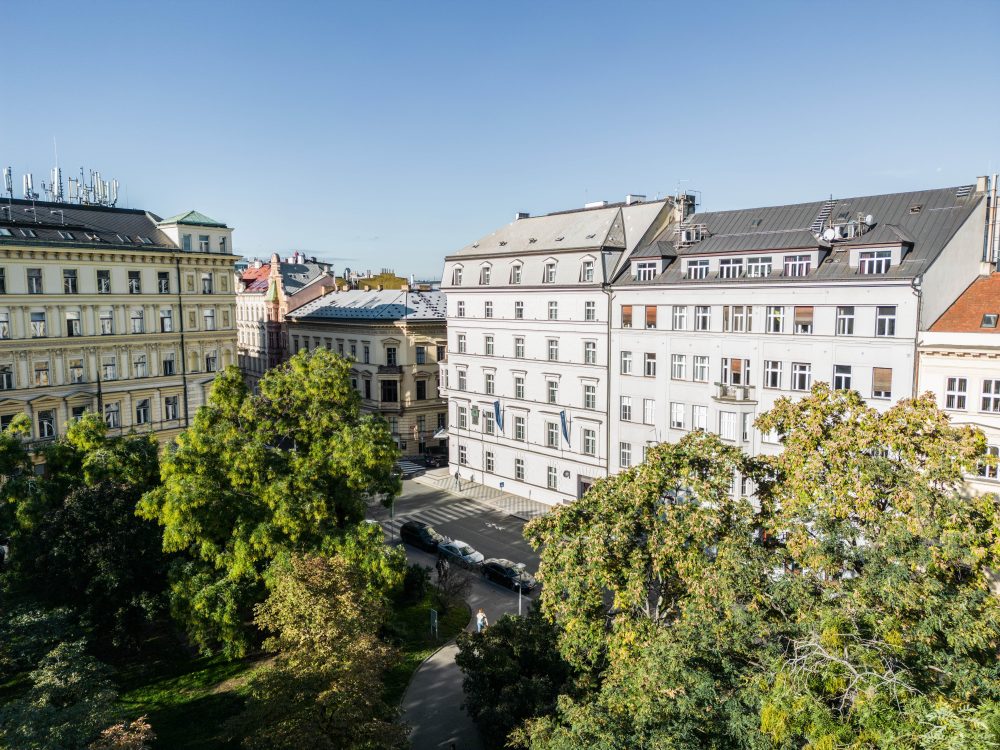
<point>180,304</point>
<point>606,288</point>
<point>915,286</point>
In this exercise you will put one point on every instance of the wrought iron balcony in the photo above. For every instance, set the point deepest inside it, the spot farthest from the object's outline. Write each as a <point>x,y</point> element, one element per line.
<point>390,369</point>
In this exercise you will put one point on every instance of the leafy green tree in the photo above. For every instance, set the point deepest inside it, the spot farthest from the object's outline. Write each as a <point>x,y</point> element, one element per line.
<point>287,470</point>
<point>134,735</point>
<point>323,689</point>
<point>513,672</point>
<point>70,699</point>
<point>17,478</point>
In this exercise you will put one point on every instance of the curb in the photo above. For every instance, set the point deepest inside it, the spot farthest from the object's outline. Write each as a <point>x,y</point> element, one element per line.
<point>432,654</point>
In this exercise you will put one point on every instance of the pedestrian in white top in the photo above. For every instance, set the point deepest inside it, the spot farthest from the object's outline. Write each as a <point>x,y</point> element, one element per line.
<point>481,622</point>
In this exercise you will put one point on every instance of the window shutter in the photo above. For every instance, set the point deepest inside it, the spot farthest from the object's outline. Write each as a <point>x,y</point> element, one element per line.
<point>882,379</point>
<point>803,315</point>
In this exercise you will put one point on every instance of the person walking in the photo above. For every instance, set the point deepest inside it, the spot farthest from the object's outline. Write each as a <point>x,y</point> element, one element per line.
<point>481,622</point>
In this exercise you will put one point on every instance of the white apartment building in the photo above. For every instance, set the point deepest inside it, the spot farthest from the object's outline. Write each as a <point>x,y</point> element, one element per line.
<point>527,374</point>
<point>717,317</point>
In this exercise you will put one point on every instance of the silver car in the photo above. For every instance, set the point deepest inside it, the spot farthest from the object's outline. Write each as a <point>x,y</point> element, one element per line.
<point>459,552</point>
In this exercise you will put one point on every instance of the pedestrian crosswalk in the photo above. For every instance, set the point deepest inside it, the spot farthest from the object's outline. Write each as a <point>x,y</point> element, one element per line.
<point>409,468</point>
<point>438,515</point>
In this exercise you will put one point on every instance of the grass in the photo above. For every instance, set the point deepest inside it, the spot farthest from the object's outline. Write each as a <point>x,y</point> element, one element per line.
<point>410,627</point>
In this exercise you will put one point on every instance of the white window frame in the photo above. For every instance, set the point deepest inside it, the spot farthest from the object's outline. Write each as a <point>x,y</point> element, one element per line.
<point>956,393</point>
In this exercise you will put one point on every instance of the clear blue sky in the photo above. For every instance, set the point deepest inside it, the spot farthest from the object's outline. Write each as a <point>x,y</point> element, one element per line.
<point>395,133</point>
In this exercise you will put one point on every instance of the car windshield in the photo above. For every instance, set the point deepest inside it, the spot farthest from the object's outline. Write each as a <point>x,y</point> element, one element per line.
<point>466,550</point>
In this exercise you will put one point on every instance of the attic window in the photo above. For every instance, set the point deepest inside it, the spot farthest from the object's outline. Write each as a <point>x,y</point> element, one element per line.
<point>989,321</point>
<point>915,208</point>
<point>28,233</point>
<point>842,215</point>
<point>145,240</point>
<point>560,238</point>
<point>503,242</point>
<point>4,232</point>
<point>93,237</point>
<point>532,240</point>
<point>755,222</point>
<point>66,235</point>
<point>591,236</point>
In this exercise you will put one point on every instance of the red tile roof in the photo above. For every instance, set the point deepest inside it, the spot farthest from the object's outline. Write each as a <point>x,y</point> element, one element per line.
<point>966,313</point>
<point>257,278</point>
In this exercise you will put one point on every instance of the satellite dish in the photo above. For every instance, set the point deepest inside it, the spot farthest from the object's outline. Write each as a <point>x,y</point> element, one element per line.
<point>830,234</point>
<point>869,220</point>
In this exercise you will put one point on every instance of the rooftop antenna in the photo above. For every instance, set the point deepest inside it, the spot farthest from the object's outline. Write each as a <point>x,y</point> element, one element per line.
<point>8,184</point>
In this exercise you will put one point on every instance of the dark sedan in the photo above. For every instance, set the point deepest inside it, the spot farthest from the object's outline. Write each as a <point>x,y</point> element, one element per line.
<point>421,535</point>
<point>508,574</point>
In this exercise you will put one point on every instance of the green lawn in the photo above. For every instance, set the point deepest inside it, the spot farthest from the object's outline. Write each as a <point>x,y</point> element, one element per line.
<point>411,626</point>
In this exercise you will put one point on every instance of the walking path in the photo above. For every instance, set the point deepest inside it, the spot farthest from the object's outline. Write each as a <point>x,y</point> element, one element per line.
<point>512,505</point>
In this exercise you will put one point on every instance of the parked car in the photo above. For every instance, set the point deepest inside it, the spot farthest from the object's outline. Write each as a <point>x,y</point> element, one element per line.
<point>509,574</point>
<point>459,552</point>
<point>435,460</point>
<point>421,535</point>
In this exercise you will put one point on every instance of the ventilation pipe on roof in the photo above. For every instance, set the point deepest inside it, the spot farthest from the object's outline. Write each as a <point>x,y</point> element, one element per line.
<point>595,204</point>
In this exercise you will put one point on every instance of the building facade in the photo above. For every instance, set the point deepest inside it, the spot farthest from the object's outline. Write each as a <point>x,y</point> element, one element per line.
<point>527,375</point>
<point>264,295</point>
<point>703,321</point>
<point>111,310</point>
<point>396,341</point>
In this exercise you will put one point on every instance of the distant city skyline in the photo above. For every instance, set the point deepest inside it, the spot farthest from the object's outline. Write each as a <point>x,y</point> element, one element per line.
<point>392,134</point>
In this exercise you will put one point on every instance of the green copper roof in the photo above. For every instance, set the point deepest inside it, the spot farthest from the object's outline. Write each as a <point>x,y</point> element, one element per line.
<point>272,291</point>
<point>193,217</point>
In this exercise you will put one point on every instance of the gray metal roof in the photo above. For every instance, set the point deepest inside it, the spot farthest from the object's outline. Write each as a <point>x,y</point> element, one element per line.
<point>924,220</point>
<point>388,304</point>
<point>113,226</point>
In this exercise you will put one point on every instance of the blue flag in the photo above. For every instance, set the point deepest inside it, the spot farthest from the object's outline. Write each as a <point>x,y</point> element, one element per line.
<point>498,414</point>
<point>565,425</point>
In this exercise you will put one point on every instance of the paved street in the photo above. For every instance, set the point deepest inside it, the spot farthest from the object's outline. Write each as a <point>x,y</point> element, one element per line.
<point>432,704</point>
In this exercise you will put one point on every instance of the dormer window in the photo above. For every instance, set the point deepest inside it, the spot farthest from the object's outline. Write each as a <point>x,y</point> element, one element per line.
<point>484,275</point>
<point>66,235</point>
<point>456,276</point>
<point>93,237</point>
<point>4,232</point>
<point>145,240</point>
<point>697,269</point>
<point>874,261</point>
<point>646,270</point>
<point>759,267</point>
<point>730,268</point>
<point>515,273</point>
<point>549,274</point>
<point>28,233</point>
<point>989,321</point>
<point>797,265</point>
<point>587,271</point>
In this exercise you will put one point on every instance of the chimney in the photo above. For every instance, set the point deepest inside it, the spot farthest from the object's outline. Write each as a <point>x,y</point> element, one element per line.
<point>380,287</point>
<point>405,287</point>
<point>595,204</point>
<point>367,288</point>
<point>521,215</point>
<point>982,184</point>
<point>634,198</point>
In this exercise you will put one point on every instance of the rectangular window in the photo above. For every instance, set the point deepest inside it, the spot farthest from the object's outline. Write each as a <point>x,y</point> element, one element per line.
<point>76,370</point>
<point>803,319</point>
<point>519,469</point>
<point>700,370</point>
<point>589,352</point>
<point>882,382</point>
<point>463,417</point>
<point>747,429</point>
<point>111,415</point>
<point>490,381</point>
<point>648,411</point>
<point>142,411</point>
<point>463,454</point>
<point>515,274</point>
<point>797,265</point>
<point>590,310</point>
<point>37,324</point>
<point>553,349</point>
<point>73,324</point>
<point>677,416</point>
<point>104,282</point>
<point>41,373</point>
<point>551,435</point>
<point>168,364</point>
<point>735,371</point>
<point>170,410</point>
<point>697,269</point>
<point>625,455</point>
<point>488,423</point>
<point>138,325</point>
<point>206,283</point>
<point>461,343</point>
<point>107,321</point>
<point>645,270</point>
<point>46,424</point>
<point>650,316</point>
<point>134,282</point>
<point>874,261</point>
<point>845,321</point>
<point>186,243</point>
<point>462,380</point>
<point>163,282</point>
<point>727,425</point>
<point>69,282</point>
<point>626,316</point>
<point>625,413</point>
<point>35,281</point>
<point>456,276</point>
<point>460,309</point>
<point>519,428</point>
<point>488,345</point>
<point>737,318</point>
<point>421,353</point>
<point>955,393</point>
<point>203,243</point>
<point>211,362</point>
<point>702,318</point>
<point>589,396</point>
<point>390,355</point>
<point>553,311</point>
<point>587,271</point>
<point>484,275</point>
<point>650,365</point>
<point>699,417</point>
<point>988,471</point>
<point>519,386</point>
<point>421,390</point>
<point>551,477</point>
<point>626,363</point>
<point>488,309</point>
<point>679,316</point>
<point>774,321</point>
<point>759,267</point>
<point>730,268</point>
<point>139,366</point>
<point>991,396</point>
<point>552,391</point>
<point>389,391</point>
<point>589,442</point>
<point>489,463</point>
<point>518,310</point>
<point>801,376</point>
<point>549,275</point>
<point>4,325</point>
<point>3,281</point>
<point>678,366</point>
<point>885,321</point>
<point>166,321</point>
<point>772,374</point>
<point>519,347</point>
<point>209,316</point>
<point>842,377</point>
<point>6,377</point>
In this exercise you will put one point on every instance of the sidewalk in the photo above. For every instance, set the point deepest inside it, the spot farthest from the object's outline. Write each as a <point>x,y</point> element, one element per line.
<point>512,505</point>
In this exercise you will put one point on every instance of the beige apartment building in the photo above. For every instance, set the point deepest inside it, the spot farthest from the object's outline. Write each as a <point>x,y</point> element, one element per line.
<point>111,310</point>
<point>396,339</point>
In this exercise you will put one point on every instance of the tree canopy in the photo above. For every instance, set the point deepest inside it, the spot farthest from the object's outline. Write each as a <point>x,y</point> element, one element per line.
<point>288,469</point>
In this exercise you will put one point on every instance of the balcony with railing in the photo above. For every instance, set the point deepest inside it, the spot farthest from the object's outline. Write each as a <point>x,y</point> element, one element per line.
<point>730,393</point>
<point>390,369</point>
